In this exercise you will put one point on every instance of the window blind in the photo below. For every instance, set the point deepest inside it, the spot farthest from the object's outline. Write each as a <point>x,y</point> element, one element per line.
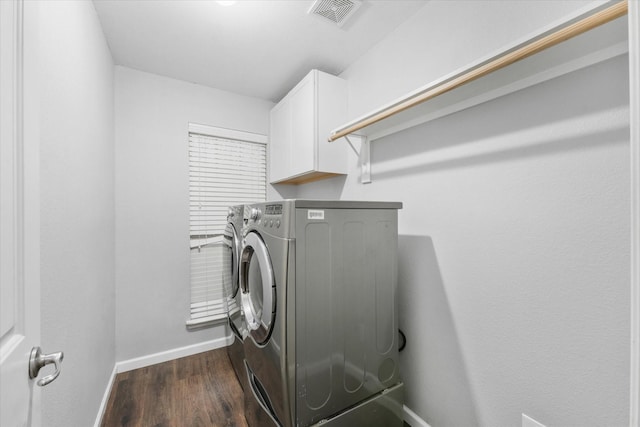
<point>222,172</point>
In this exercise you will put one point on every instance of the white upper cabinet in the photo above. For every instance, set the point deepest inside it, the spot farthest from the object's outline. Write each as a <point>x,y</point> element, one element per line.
<point>298,148</point>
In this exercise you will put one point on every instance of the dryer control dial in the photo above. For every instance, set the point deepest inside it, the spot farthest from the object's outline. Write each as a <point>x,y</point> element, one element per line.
<point>255,214</point>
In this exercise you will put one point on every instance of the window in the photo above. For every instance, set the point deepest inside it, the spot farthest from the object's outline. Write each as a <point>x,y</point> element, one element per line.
<point>226,168</point>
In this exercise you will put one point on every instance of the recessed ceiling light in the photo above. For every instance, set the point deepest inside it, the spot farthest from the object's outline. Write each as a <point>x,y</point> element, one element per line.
<point>226,3</point>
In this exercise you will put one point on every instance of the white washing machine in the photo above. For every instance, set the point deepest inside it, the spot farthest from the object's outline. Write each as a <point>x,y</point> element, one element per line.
<point>232,244</point>
<point>318,282</point>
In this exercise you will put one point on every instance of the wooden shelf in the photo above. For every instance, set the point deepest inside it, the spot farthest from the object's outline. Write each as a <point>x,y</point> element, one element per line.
<point>307,177</point>
<point>567,46</point>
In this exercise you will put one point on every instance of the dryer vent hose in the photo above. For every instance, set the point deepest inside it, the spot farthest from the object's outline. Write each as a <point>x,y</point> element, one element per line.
<point>403,340</point>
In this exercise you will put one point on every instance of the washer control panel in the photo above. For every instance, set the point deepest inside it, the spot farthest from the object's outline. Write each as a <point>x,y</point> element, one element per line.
<point>272,216</point>
<point>273,209</point>
<point>266,216</point>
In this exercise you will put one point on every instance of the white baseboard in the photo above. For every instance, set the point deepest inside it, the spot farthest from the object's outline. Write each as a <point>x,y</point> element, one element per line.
<point>413,419</point>
<point>105,398</point>
<point>175,353</point>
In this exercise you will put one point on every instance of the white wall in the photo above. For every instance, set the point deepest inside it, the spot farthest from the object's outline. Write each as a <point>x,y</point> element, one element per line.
<point>514,246</point>
<point>441,38</point>
<point>152,216</point>
<point>77,208</point>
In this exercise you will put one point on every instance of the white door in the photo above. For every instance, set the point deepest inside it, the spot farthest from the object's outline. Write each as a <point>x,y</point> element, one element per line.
<point>19,223</point>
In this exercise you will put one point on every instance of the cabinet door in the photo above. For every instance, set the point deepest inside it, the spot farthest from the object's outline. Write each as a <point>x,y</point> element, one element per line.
<point>280,141</point>
<point>303,127</point>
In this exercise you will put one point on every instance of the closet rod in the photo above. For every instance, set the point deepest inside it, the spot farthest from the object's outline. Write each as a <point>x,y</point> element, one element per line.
<point>590,22</point>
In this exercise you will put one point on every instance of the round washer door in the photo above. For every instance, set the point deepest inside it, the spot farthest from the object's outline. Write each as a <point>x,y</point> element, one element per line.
<point>230,258</point>
<point>258,288</point>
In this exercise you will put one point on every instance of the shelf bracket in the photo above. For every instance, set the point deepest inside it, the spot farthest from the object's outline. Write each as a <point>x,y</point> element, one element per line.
<point>364,158</point>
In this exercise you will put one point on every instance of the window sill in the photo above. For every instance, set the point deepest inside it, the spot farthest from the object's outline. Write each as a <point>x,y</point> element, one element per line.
<point>206,322</point>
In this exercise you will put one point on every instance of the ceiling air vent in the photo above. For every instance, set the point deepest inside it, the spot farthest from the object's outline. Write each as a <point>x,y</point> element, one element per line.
<point>336,11</point>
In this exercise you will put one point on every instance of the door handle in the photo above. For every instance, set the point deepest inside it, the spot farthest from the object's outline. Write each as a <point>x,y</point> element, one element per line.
<point>37,360</point>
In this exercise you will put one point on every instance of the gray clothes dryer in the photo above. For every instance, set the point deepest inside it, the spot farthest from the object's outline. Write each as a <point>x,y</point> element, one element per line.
<point>318,282</point>
<point>232,247</point>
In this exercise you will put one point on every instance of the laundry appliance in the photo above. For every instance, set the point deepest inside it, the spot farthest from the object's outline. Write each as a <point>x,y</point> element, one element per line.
<point>232,247</point>
<point>318,282</point>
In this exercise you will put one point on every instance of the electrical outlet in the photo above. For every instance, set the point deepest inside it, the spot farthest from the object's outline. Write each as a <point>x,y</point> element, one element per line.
<point>530,422</point>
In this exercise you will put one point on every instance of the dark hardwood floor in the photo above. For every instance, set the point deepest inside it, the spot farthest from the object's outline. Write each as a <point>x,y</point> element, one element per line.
<point>195,391</point>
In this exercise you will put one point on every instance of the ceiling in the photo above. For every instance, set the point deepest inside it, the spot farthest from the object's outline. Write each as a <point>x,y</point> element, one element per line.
<point>259,48</point>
